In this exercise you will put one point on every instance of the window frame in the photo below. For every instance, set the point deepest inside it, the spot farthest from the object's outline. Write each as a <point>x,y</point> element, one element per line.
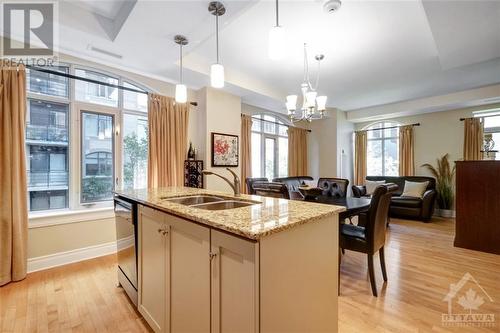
<point>74,162</point>
<point>275,137</point>
<point>116,144</point>
<point>382,139</point>
<point>493,130</point>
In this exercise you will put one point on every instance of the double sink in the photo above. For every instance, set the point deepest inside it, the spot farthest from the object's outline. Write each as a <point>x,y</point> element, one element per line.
<point>210,202</point>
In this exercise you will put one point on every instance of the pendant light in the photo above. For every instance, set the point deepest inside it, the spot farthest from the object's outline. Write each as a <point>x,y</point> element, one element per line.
<point>217,70</point>
<point>180,88</point>
<point>276,39</point>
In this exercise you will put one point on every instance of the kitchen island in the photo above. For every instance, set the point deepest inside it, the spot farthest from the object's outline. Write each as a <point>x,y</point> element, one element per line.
<point>209,261</point>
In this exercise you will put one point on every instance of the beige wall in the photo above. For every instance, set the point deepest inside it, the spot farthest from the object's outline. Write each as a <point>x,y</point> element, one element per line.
<point>219,112</point>
<point>330,146</point>
<point>439,133</point>
<point>66,237</point>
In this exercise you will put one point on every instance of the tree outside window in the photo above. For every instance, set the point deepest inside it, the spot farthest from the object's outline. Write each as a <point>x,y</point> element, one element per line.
<point>383,149</point>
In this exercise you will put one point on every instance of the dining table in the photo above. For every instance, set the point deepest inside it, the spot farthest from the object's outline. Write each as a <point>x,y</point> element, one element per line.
<point>354,206</point>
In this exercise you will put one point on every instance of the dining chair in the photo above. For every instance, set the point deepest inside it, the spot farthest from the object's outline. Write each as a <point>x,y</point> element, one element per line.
<point>369,235</point>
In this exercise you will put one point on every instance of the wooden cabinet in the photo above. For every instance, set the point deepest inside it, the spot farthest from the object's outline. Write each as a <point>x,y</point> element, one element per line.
<point>477,224</point>
<point>174,271</point>
<point>153,276</point>
<point>189,276</point>
<point>193,278</point>
<point>235,288</point>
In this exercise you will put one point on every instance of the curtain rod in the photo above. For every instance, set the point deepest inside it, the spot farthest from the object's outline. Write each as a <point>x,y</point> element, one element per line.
<point>276,123</point>
<point>75,77</point>
<point>390,127</point>
<point>493,115</point>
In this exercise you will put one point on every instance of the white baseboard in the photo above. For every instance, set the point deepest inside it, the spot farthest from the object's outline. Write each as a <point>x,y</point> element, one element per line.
<point>68,257</point>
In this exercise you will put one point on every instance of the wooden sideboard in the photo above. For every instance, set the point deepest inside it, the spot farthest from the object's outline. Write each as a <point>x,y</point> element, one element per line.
<point>478,206</point>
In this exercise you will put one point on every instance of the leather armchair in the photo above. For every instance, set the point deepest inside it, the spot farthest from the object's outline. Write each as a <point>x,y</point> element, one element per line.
<point>358,191</point>
<point>271,189</point>
<point>293,183</point>
<point>251,181</point>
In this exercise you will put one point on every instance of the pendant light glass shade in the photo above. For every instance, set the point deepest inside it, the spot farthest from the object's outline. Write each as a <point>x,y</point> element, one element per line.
<point>291,103</point>
<point>180,88</point>
<point>311,99</point>
<point>180,93</point>
<point>277,43</point>
<point>321,102</point>
<point>217,76</point>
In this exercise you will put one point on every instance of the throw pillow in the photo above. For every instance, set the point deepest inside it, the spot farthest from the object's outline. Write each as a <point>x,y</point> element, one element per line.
<point>414,189</point>
<point>371,185</point>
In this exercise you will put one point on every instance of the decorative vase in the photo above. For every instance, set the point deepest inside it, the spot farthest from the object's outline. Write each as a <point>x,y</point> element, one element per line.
<point>446,213</point>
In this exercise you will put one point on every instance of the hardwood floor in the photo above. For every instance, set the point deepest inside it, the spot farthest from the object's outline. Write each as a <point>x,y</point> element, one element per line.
<point>81,297</point>
<point>421,265</point>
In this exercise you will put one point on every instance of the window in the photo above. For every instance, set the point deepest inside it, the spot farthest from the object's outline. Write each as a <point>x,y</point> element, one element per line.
<point>47,140</point>
<point>135,151</point>
<point>48,84</point>
<point>269,147</point>
<point>133,100</point>
<point>97,157</point>
<point>98,110</point>
<point>383,149</point>
<point>492,130</point>
<point>96,93</point>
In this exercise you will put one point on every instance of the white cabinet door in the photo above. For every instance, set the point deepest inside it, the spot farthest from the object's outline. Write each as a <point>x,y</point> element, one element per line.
<point>234,279</point>
<point>153,274</point>
<point>189,276</point>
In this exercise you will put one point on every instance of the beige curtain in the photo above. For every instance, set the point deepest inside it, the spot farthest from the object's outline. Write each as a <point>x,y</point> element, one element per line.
<point>13,189</point>
<point>360,143</point>
<point>473,139</point>
<point>168,129</point>
<point>406,151</point>
<point>297,152</point>
<point>246,150</point>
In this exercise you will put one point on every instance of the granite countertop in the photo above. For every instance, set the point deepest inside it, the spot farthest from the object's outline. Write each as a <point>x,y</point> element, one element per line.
<point>252,222</point>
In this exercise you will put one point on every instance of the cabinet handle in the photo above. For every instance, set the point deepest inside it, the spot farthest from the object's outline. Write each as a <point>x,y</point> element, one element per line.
<point>212,255</point>
<point>160,230</point>
<point>164,232</point>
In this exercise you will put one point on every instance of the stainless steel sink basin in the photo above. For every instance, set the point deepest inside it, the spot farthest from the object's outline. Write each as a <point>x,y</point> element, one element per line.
<point>195,200</point>
<point>226,204</point>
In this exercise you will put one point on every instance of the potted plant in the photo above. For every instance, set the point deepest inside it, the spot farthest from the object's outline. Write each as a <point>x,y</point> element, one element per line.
<point>444,175</point>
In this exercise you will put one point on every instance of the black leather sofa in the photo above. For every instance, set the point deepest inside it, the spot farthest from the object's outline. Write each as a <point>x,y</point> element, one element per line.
<point>406,207</point>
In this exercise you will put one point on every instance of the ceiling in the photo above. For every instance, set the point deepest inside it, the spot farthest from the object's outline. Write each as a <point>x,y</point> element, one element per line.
<point>376,52</point>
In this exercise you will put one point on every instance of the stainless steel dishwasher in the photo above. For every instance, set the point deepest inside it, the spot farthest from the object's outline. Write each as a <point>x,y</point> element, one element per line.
<point>126,236</point>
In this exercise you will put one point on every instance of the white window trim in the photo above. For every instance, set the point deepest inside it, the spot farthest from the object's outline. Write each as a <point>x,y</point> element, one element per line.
<point>383,139</point>
<point>273,136</point>
<point>67,216</point>
<point>76,211</point>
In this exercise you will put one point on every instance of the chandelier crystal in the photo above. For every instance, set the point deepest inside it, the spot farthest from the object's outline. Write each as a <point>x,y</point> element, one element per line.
<point>313,106</point>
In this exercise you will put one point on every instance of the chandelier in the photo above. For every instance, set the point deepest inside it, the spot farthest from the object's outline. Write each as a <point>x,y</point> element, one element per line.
<point>313,106</point>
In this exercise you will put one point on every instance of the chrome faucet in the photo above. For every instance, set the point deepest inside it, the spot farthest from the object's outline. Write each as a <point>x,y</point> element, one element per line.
<point>235,185</point>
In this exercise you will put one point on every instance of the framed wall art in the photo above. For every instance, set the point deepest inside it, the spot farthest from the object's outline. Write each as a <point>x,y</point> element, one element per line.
<point>224,150</point>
